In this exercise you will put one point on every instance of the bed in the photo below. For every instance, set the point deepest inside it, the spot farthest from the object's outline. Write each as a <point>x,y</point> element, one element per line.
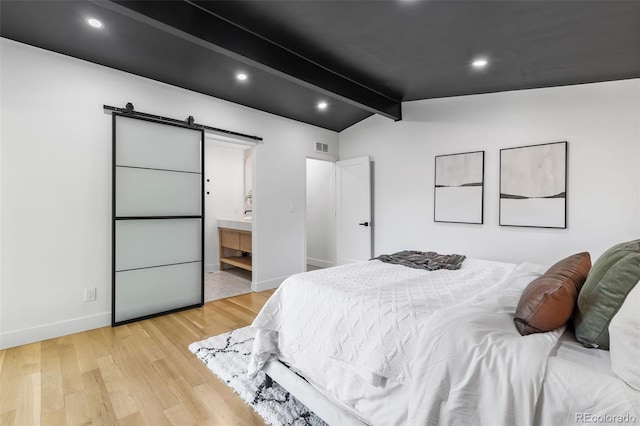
<point>383,344</point>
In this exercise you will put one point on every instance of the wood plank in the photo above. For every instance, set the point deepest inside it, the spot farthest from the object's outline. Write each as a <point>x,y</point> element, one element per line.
<point>9,418</point>
<point>76,409</point>
<point>84,352</point>
<point>57,417</point>
<point>136,374</point>
<point>232,411</point>
<point>243,262</point>
<point>98,398</point>
<point>70,368</point>
<point>28,410</point>
<point>16,382</point>
<point>52,391</point>
<point>179,415</point>
<point>112,381</point>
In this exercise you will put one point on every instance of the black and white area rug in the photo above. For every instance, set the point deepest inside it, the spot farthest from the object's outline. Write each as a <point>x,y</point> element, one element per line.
<point>227,356</point>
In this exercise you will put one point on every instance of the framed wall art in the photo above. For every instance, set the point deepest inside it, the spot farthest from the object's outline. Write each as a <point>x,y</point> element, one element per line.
<point>459,188</point>
<point>533,186</point>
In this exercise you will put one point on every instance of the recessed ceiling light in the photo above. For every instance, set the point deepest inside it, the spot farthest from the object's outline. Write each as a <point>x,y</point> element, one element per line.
<point>322,105</point>
<point>480,63</point>
<point>94,23</point>
<point>241,76</point>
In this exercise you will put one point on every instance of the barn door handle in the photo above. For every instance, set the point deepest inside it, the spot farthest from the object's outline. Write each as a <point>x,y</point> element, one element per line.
<point>364,223</point>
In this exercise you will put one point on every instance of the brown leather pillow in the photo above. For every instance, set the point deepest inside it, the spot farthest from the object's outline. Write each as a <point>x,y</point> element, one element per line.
<point>549,300</point>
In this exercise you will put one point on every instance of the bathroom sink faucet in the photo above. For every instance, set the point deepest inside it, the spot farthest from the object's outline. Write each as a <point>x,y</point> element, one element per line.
<point>247,211</point>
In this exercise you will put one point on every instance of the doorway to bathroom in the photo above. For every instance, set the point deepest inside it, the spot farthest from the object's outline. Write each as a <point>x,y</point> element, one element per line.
<point>320,214</point>
<point>229,217</point>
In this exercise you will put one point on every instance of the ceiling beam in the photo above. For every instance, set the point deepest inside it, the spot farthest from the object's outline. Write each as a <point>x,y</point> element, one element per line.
<point>190,20</point>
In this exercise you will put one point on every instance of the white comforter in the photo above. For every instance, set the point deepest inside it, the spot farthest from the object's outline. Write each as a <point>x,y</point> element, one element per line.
<point>370,316</point>
<point>474,368</point>
<point>375,326</point>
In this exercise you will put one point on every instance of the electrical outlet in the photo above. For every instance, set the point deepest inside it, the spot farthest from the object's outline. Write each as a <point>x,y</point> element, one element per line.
<point>90,294</point>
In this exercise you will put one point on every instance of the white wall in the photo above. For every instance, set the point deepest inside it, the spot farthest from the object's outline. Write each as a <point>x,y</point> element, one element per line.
<point>321,213</point>
<point>224,193</point>
<point>600,121</point>
<point>56,185</point>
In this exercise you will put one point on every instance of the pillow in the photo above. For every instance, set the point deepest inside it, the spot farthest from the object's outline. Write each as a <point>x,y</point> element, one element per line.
<point>612,277</point>
<point>548,301</point>
<point>624,339</point>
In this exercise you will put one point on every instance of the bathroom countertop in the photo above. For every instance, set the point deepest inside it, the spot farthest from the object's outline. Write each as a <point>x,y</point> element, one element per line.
<point>239,224</point>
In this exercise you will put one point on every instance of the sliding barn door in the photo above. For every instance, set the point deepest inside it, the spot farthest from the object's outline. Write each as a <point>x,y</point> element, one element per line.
<point>158,218</point>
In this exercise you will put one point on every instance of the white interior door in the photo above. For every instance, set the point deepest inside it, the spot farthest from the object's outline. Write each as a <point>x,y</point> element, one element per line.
<point>353,210</point>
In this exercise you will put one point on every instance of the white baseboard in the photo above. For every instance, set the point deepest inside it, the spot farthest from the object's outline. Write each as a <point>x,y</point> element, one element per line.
<point>319,263</point>
<point>266,285</point>
<point>50,331</point>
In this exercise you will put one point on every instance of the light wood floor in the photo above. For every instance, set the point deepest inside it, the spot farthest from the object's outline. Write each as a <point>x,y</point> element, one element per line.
<point>136,374</point>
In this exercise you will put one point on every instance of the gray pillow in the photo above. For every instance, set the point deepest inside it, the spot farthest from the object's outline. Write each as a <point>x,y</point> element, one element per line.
<point>611,278</point>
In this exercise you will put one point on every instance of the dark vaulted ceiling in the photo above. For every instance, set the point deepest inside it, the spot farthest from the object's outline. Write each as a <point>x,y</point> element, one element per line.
<point>361,57</point>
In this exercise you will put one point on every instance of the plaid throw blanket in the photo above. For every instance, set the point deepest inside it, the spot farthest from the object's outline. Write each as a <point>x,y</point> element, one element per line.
<point>429,260</point>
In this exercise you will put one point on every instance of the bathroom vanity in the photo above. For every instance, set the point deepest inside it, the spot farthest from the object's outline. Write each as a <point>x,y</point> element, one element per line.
<point>235,243</point>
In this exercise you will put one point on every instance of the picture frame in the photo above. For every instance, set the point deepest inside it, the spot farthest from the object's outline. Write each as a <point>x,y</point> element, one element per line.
<point>459,188</point>
<point>533,186</point>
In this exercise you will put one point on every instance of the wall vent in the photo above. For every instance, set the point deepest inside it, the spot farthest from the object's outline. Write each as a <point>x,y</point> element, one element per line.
<point>322,147</point>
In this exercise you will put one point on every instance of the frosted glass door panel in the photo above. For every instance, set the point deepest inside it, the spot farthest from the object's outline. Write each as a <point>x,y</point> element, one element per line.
<point>158,217</point>
<point>143,292</point>
<point>147,144</point>
<point>145,243</point>
<point>142,192</point>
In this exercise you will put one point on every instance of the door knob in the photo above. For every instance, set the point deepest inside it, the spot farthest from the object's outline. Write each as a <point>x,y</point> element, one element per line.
<point>364,223</point>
